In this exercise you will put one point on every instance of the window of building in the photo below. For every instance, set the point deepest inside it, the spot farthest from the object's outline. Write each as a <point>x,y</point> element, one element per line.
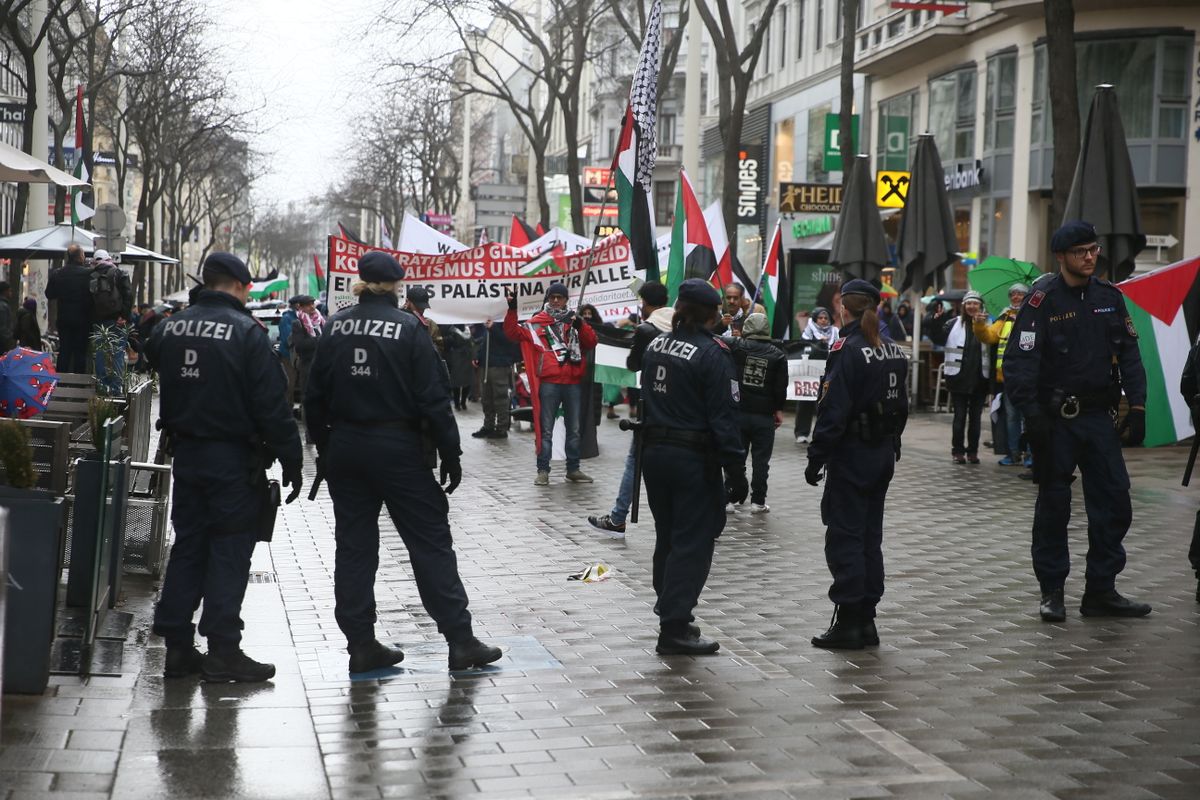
<point>952,114</point>
<point>783,37</point>
<point>666,130</point>
<point>800,29</point>
<point>764,58</point>
<point>815,152</point>
<point>784,139</point>
<point>995,228</point>
<point>612,140</point>
<point>820,23</point>
<point>1000,102</point>
<point>664,203</point>
<point>897,136</point>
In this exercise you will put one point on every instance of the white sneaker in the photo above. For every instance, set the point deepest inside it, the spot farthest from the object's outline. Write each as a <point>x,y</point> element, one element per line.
<point>755,508</point>
<point>801,440</point>
<point>730,508</point>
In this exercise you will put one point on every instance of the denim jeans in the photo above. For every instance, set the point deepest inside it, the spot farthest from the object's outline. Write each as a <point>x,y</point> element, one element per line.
<point>625,494</point>
<point>112,380</point>
<point>1012,426</point>
<point>551,396</point>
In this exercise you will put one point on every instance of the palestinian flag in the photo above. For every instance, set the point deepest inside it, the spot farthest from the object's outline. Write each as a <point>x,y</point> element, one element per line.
<point>316,281</point>
<point>1164,309</point>
<point>692,254</point>
<point>546,263</point>
<point>774,290</point>
<point>81,197</point>
<point>521,234</point>
<point>348,233</point>
<point>637,148</point>
<point>723,275</point>
<point>260,289</point>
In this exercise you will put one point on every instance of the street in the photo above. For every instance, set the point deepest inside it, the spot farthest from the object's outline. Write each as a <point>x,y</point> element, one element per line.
<point>968,695</point>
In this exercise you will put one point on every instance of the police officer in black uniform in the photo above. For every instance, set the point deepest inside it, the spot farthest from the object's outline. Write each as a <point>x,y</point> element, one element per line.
<point>861,414</point>
<point>762,376</point>
<point>1189,387</point>
<point>374,379</point>
<point>1076,349</point>
<point>690,432</point>
<point>223,403</point>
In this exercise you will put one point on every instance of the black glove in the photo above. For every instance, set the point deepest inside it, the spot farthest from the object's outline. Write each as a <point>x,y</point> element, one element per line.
<point>737,488</point>
<point>452,470</point>
<point>293,478</point>
<point>512,301</point>
<point>813,473</point>
<point>577,323</point>
<point>1038,428</point>
<point>1135,424</point>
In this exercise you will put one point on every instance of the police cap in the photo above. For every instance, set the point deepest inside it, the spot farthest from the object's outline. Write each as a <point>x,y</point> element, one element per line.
<point>378,267</point>
<point>859,286</point>
<point>756,327</point>
<point>418,296</point>
<point>1072,233</point>
<point>699,291</point>
<point>653,293</point>
<point>228,264</point>
<point>557,288</point>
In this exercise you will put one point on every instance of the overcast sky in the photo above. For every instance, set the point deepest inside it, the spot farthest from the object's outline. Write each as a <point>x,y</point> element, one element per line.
<point>303,65</point>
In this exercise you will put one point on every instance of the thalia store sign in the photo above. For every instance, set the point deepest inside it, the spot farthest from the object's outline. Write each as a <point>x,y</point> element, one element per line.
<point>964,177</point>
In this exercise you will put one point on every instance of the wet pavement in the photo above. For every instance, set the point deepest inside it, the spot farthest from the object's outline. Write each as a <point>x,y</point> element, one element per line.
<point>969,694</point>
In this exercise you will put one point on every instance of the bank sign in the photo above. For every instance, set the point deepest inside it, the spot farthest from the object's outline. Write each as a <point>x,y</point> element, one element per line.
<point>964,177</point>
<point>750,184</point>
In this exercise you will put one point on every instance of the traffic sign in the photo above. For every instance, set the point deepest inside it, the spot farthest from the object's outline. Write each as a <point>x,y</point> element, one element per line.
<point>891,188</point>
<point>115,245</point>
<point>110,220</point>
<point>1164,240</point>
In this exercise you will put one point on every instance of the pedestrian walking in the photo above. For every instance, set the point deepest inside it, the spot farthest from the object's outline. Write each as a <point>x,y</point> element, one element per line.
<point>28,330</point>
<point>69,286</point>
<point>223,410</point>
<point>286,321</point>
<point>460,354</point>
<point>495,356</point>
<point>861,415</point>
<point>762,376</point>
<point>376,376</point>
<point>968,377</point>
<point>305,333</point>
<point>997,335</point>
<point>657,318</point>
<point>112,311</point>
<point>554,343</point>
<point>690,433</point>
<point>1076,351</point>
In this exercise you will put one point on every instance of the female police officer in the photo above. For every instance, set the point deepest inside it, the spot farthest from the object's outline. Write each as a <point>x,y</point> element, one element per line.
<point>691,431</point>
<point>374,378</point>
<point>860,416</point>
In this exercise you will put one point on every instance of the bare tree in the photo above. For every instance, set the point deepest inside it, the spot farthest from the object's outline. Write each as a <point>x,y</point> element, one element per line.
<point>735,70</point>
<point>1062,88</point>
<point>846,142</point>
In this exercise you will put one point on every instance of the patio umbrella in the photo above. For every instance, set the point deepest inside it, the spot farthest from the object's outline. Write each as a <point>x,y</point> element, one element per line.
<point>53,241</point>
<point>17,166</point>
<point>995,276</point>
<point>927,241</point>
<point>859,243</point>
<point>27,379</point>
<point>1103,191</point>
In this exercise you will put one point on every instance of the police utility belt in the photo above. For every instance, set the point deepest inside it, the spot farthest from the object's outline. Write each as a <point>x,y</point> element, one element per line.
<point>694,440</point>
<point>410,425</point>
<point>1067,405</point>
<point>874,427</point>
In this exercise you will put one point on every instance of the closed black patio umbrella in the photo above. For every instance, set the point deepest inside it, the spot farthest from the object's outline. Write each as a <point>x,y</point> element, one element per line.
<point>927,242</point>
<point>859,242</point>
<point>1104,192</point>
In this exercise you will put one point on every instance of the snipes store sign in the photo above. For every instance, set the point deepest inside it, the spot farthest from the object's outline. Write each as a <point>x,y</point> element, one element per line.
<point>750,184</point>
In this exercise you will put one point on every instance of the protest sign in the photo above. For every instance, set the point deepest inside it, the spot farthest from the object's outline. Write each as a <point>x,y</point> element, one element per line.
<point>468,286</point>
<point>804,378</point>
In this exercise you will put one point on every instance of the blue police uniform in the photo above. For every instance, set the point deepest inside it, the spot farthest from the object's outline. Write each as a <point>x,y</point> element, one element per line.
<point>690,431</point>
<point>376,382</point>
<point>861,414</point>
<point>222,397</point>
<point>1070,353</point>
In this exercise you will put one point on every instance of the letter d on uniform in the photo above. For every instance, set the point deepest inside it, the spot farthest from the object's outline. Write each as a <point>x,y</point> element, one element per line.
<point>190,357</point>
<point>360,355</point>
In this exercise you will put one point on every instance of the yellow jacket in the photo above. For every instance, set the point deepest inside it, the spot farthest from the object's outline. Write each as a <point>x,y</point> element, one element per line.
<point>997,333</point>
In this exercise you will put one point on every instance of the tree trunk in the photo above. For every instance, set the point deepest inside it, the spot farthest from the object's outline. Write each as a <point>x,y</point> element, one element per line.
<point>731,132</point>
<point>574,171</point>
<point>846,142</point>
<point>1063,92</point>
<point>540,174</point>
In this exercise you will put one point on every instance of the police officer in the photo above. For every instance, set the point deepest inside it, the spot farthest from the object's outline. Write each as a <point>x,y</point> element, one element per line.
<point>1189,387</point>
<point>691,431</point>
<point>374,379</point>
<point>762,376</point>
<point>222,401</point>
<point>861,414</point>
<point>1075,349</point>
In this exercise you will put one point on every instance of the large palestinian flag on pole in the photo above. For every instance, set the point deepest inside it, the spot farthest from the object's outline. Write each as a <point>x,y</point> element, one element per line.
<point>633,163</point>
<point>774,292</point>
<point>1165,308</point>
<point>692,254</point>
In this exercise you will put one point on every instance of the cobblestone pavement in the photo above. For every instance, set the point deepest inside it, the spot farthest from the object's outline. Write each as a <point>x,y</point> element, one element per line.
<point>969,695</point>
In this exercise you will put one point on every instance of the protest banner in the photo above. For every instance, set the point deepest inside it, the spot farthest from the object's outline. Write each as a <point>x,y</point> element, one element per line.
<point>468,286</point>
<point>804,378</point>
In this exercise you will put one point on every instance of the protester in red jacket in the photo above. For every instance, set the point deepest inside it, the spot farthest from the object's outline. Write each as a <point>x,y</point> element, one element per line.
<point>553,343</point>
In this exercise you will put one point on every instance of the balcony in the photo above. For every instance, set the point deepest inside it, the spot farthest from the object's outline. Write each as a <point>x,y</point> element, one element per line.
<point>888,45</point>
<point>670,152</point>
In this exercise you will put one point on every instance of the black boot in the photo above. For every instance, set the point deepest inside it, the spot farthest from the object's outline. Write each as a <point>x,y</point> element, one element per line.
<point>1053,608</point>
<point>870,633</point>
<point>845,630</point>
<point>371,654</point>
<point>483,433</point>
<point>684,640</point>
<point>1111,604</point>
<point>234,666</point>
<point>470,652</point>
<point>182,661</point>
<point>1198,590</point>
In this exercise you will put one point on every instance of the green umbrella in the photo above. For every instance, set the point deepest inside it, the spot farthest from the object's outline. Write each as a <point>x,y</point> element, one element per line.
<point>996,275</point>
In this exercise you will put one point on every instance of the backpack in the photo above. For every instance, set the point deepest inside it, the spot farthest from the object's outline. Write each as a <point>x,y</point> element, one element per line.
<point>106,293</point>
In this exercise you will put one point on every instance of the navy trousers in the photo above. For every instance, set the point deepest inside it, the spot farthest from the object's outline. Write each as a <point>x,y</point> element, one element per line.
<point>1090,442</point>
<point>215,513</point>
<point>368,469</point>
<point>73,347</point>
<point>856,484</point>
<point>758,437</point>
<point>686,494</point>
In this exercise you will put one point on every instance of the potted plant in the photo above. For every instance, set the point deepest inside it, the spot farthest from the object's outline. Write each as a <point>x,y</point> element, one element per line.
<point>35,535</point>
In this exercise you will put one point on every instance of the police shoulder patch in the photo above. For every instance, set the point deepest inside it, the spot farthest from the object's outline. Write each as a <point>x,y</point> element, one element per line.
<point>837,345</point>
<point>1129,327</point>
<point>1028,340</point>
<point>1035,299</point>
<point>721,342</point>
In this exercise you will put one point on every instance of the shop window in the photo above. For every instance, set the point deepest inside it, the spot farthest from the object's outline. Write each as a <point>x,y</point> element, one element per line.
<point>952,114</point>
<point>815,154</point>
<point>995,228</point>
<point>785,134</point>
<point>896,137</point>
